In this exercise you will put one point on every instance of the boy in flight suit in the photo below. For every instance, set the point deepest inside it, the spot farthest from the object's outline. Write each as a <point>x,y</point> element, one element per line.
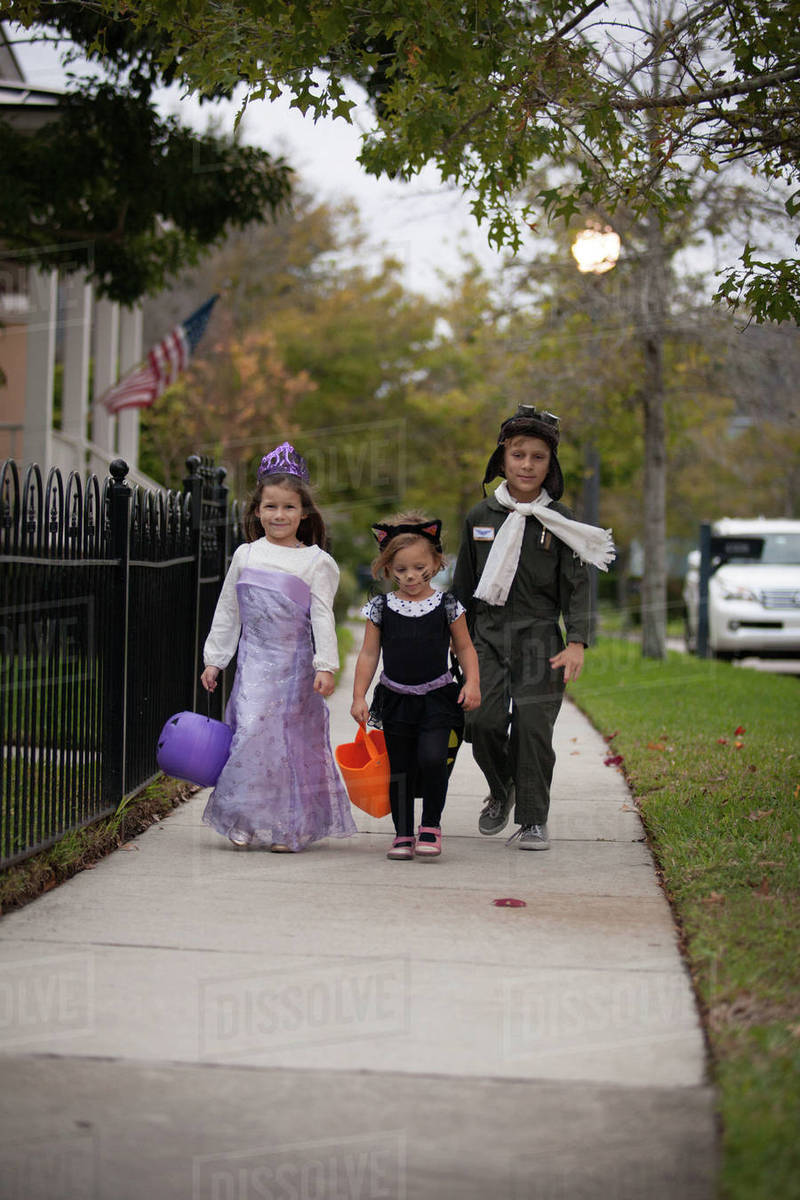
<point>521,568</point>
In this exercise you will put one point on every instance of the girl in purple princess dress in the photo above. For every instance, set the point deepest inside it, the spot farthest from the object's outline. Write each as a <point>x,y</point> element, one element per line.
<point>280,787</point>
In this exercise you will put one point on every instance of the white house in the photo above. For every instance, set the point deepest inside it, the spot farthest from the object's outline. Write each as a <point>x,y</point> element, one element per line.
<point>50,318</point>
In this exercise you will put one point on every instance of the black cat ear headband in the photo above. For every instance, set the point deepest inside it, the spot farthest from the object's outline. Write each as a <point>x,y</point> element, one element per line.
<point>432,530</point>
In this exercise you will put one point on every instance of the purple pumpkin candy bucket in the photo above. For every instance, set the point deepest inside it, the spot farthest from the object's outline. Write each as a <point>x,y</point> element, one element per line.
<point>194,747</point>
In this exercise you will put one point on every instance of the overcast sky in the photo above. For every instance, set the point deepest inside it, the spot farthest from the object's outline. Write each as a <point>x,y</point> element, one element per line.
<point>426,226</point>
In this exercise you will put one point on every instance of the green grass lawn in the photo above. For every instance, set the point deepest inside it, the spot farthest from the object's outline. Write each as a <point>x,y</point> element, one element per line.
<point>712,755</point>
<point>613,620</point>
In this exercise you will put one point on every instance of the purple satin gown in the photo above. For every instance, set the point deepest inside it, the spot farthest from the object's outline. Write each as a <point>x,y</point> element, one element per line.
<point>280,783</point>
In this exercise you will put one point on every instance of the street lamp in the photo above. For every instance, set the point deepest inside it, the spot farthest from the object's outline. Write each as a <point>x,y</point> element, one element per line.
<point>595,251</point>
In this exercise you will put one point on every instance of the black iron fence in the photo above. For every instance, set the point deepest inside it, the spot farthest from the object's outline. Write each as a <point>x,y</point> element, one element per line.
<point>106,596</point>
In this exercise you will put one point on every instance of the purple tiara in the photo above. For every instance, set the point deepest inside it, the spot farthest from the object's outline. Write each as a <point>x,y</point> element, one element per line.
<point>283,460</point>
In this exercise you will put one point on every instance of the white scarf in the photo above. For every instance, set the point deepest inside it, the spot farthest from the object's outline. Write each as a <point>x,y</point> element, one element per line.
<point>592,544</point>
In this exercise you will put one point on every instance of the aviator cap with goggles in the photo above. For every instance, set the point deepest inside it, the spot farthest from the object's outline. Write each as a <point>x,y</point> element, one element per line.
<point>528,421</point>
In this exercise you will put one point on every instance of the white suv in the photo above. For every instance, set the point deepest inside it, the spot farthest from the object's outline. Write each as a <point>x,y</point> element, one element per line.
<point>753,601</point>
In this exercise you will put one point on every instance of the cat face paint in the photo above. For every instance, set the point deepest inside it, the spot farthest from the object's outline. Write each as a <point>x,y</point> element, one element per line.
<point>412,569</point>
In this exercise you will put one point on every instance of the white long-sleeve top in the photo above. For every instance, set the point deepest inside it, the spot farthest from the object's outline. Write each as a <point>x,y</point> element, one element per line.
<point>309,563</point>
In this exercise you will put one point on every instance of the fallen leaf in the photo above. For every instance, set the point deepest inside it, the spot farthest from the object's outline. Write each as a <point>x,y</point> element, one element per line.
<point>739,730</point>
<point>762,889</point>
<point>129,846</point>
<point>613,760</point>
<point>611,736</point>
<point>626,808</point>
<point>758,814</point>
<point>722,741</point>
<point>794,1030</point>
<point>768,862</point>
<point>573,739</point>
<point>738,745</point>
<point>574,752</point>
<point>509,902</point>
<point>656,746</point>
<point>713,898</point>
<point>48,887</point>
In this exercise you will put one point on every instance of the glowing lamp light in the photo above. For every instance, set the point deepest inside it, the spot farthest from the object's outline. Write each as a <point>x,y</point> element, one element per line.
<point>596,250</point>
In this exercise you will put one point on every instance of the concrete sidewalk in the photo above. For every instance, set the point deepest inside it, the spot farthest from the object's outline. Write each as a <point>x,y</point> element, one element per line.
<point>188,1020</point>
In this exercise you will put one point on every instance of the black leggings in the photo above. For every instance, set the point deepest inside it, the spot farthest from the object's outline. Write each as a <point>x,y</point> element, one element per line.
<point>419,766</point>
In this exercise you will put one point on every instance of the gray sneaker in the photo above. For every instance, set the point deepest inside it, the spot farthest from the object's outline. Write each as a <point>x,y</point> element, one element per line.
<point>530,837</point>
<point>495,813</point>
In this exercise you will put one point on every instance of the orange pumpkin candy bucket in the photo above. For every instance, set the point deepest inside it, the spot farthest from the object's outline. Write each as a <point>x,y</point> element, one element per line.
<point>364,764</point>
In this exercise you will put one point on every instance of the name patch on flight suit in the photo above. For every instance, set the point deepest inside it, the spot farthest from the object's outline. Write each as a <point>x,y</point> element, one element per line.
<point>483,533</point>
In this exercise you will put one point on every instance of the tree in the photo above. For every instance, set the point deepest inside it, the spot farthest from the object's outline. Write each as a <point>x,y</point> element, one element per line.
<point>309,344</point>
<point>120,192</point>
<point>576,345</point>
<point>487,91</point>
<point>236,396</point>
<point>707,201</point>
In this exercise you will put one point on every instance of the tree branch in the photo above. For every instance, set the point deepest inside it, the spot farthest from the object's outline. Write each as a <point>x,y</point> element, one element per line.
<point>723,92</point>
<point>576,20</point>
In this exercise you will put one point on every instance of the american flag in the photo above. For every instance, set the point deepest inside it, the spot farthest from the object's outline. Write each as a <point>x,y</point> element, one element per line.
<point>163,364</point>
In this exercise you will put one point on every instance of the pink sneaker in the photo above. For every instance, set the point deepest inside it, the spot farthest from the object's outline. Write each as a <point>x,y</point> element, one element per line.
<point>401,848</point>
<point>429,849</point>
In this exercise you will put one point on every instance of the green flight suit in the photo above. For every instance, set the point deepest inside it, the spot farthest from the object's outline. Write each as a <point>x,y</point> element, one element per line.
<point>512,731</point>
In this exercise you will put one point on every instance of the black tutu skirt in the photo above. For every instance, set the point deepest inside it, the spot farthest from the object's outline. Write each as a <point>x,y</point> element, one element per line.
<point>397,712</point>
